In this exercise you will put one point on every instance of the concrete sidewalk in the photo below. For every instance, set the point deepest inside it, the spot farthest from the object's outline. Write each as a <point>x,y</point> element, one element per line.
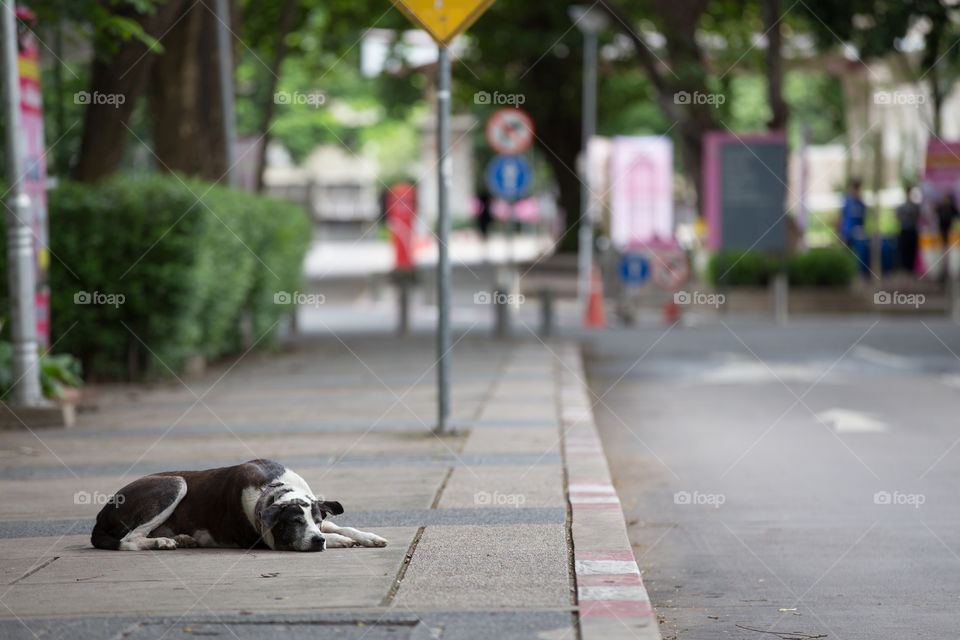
<point>479,522</point>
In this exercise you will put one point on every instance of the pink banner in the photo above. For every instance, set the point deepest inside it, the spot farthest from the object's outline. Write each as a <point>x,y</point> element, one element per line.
<point>943,164</point>
<point>641,192</point>
<point>35,167</point>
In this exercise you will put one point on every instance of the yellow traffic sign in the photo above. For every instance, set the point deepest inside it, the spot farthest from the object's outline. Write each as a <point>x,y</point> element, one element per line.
<point>444,20</point>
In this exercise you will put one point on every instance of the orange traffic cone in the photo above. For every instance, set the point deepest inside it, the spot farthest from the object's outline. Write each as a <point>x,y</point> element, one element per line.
<point>671,312</point>
<point>596,317</point>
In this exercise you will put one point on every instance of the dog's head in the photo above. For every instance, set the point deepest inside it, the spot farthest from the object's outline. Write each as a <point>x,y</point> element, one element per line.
<point>294,524</point>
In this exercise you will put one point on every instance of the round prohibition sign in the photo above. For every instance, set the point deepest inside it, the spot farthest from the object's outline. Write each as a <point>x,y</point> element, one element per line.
<point>509,131</point>
<point>670,269</point>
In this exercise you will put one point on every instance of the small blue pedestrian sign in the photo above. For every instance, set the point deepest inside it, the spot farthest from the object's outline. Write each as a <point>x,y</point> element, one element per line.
<point>509,177</point>
<point>634,269</point>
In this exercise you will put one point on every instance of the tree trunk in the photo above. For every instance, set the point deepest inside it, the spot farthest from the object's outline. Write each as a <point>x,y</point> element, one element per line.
<point>564,172</point>
<point>185,97</point>
<point>778,107</point>
<point>683,71</point>
<point>287,21</point>
<point>121,76</point>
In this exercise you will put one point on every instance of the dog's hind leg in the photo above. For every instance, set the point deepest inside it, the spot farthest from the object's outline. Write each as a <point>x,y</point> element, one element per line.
<point>135,511</point>
<point>361,538</point>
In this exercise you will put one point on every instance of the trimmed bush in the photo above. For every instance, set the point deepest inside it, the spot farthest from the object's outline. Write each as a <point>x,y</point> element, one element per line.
<point>741,268</point>
<point>146,271</point>
<point>824,267</point>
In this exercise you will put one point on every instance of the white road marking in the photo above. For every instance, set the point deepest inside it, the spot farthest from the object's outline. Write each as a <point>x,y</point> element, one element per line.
<point>848,421</point>
<point>882,357</point>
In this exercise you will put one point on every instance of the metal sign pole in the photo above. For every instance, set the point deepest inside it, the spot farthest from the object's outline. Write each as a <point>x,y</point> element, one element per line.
<point>444,175</point>
<point>20,260</point>
<point>585,240</point>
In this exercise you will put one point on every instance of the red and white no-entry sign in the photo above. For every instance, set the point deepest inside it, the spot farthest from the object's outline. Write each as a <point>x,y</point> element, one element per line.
<point>509,131</point>
<point>670,269</point>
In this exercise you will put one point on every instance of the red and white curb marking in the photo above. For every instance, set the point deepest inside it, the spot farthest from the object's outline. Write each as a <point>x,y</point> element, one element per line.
<point>609,585</point>
<point>593,496</point>
<point>612,600</point>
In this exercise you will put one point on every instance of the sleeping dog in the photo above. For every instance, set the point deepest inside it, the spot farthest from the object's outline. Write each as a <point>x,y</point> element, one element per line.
<point>259,503</point>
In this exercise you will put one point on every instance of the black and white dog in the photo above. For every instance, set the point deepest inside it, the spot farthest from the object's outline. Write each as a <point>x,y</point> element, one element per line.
<point>259,503</point>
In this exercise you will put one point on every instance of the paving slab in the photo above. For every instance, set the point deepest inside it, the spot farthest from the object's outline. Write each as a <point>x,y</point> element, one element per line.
<point>489,567</point>
<point>86,581</point>
<point>504,487</point>
<point>507,439</point>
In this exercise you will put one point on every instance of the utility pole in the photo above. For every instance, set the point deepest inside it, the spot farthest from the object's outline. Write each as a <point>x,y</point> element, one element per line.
<point>21,273</point>
<point>591,20</point>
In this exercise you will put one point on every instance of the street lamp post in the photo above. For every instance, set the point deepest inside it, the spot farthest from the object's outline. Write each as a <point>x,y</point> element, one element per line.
<point>20,259</point>
<point>590,20</point>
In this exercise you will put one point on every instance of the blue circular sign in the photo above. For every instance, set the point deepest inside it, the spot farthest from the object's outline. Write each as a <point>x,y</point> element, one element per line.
<point>634,269</point>
<point>509,177</point>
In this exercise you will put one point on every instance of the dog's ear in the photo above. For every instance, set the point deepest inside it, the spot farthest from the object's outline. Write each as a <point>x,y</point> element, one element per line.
<point>322,509</point>
<point>268,517</point>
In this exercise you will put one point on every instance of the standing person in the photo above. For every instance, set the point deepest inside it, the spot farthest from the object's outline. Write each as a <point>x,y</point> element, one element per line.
<point>908,215</point>
<point>852,215</point>
<point>485,215</point>
<point>946,214</point>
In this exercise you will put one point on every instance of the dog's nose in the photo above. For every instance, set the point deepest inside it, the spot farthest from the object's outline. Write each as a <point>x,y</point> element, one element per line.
<point>317,543</point>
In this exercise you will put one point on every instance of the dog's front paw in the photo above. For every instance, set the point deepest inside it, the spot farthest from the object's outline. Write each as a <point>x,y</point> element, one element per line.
<point>371,540</point>
<point>336,541</point>
<point>164,543</point>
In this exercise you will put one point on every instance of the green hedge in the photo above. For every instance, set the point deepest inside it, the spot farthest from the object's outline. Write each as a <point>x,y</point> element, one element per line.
<point>741,268</point>
<point>176,267</point>
<point>823,267</point>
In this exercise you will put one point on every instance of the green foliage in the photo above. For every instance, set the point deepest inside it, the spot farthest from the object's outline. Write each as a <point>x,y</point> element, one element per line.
<point>877,28</point>
<point>323,59</point>
<point>824,267</point>
<point>749,109</point>
<point>107,23</point>
<point>169,267</point>
<point>741,268</point>
<point>816,100</point>
<point>833,267</point>
<point>56,372</point>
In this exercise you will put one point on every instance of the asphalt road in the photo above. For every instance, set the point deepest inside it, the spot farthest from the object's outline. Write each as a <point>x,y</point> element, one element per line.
<point>800,479</point>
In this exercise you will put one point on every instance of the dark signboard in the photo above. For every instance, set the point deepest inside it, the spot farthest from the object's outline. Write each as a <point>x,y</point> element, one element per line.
<point>745,191</point>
